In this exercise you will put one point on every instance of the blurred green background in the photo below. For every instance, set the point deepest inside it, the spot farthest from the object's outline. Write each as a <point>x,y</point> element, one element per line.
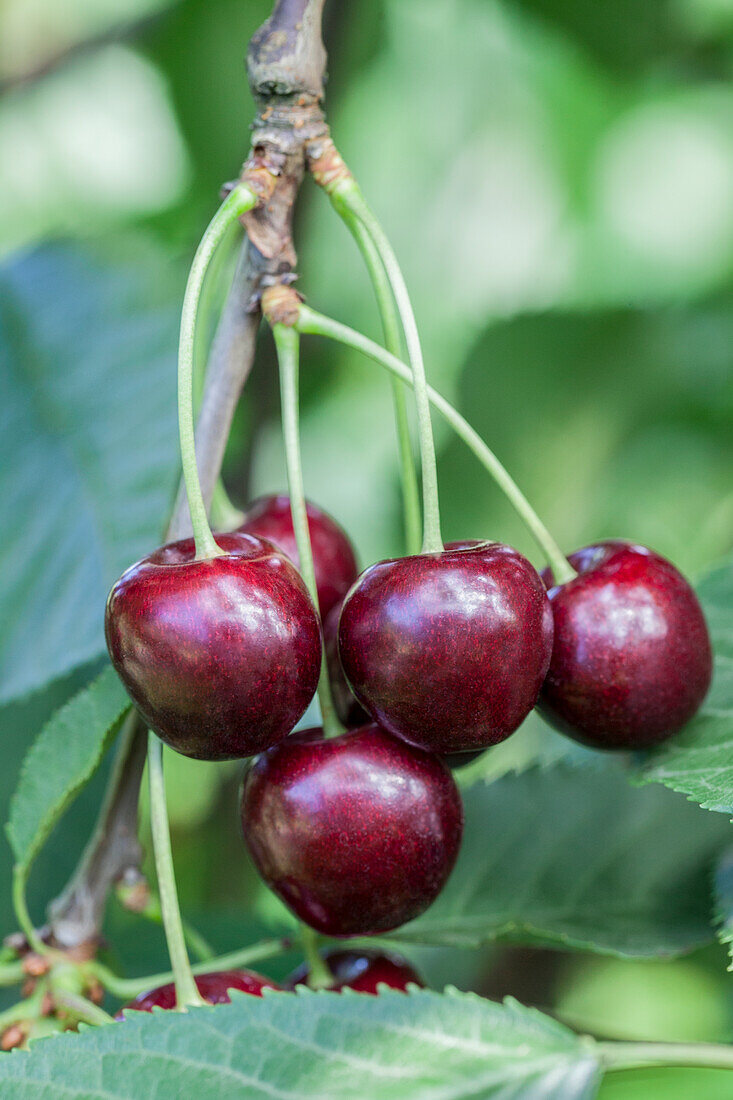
<point>557,178</point>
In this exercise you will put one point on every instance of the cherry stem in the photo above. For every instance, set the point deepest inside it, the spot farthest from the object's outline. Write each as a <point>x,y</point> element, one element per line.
<point>287,343</point>
<point>186,991</point>
<point>319,972</point>
<point>131,987</point>
<point>195,941</point>
<point>27,1009</point>
<point>224,515</point>
<point>393,343</point>
<point>318,325</point>
<point>346,196</point>
<point>238,202</point>
<point>618,1056</point>
<point>12,974</point>
<point>83,1010</point>
<point>20,906</point>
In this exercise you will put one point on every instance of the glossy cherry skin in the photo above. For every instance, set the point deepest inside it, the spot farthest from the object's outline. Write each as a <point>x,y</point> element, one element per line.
<point>448,650</point>
<point>221,656</point>
<point>631,661</point>
<point>348,707</point>
<point>334,561</point>
<point>357,834</point>
<point>362,971</point>
<point>214,989</point>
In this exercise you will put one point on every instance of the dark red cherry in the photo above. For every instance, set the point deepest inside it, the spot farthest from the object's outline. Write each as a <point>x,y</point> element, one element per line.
<point>221,656</point>
<point>214,988</point>
<point>461,759</point>
<point>348,707</point>
<point>362,971</point>
<point>333,555</point>
<point>631,661</point>
<point>357,834</point>
<point>448,650</point>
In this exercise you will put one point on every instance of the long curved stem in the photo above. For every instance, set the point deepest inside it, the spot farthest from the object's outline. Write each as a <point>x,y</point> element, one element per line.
<point>346,195</point>
<point>287,343</point>
<point>236,203</point>
<point>20,906</point>
<point>393,343</point>
<point>316,324</point>
<point>186,991</point>
<point>131,987</point>
<point>616,1056</point>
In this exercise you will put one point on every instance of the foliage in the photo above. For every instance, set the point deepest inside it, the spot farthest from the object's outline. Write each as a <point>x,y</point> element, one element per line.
<point>87,486</point>
<point>576,857</point>
<point>565,228</point>
<point>61,761</point>
<point>699,762</point>
<point>320,1045</point>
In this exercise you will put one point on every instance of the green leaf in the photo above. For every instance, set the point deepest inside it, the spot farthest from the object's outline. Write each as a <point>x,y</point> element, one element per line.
<point>578,858</point>
<point>698,762</point>
<point>534,744</point>
<point>59,763</point>
<point>317,1046</point>
<point>88,455</point>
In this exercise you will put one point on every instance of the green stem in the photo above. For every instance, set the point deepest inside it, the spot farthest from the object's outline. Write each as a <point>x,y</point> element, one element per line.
<point>11,974</point>
<point>236,203</point>
<point>393,343</point>
<point>319,972</point>
<point>347,196</point>
<point>131,987</point>
<point>616,1056</point>
<point>22,1010</point>
<point>196,942</point>
<point>225,516</point>
<point>186,991</point>
<point>23,916</point>
<point>316,324</point>
<point>287,343</point>
<point>84,1011</point>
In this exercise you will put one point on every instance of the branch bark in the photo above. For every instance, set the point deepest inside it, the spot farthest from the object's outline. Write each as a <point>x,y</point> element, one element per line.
<point>286,71</point>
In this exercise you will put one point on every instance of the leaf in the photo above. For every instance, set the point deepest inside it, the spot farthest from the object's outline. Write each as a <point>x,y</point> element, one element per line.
<point>317,1046</point>
<point>59,763</point>
<point>20,723</point>
<point>578,858</point>
<point>698,762</point>
<point>88,454</point>
<point>534,744</point>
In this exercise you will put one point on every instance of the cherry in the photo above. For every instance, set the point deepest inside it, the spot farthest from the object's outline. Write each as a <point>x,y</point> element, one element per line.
<point>357,834</point>
<point>461,759</point>
<point>362,971</point>
<point>333,555</point>
<point>448,650</point>
<point>631,661</point>
<point>221,655</point>
<point>214,988</point>
<point>348,707</point>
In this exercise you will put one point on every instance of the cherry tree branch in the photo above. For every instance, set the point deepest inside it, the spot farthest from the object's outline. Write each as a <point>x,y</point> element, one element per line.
<point>286,68</point>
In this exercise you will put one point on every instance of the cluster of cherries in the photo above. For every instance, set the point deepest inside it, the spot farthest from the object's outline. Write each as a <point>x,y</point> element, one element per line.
<point>432,658</point>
